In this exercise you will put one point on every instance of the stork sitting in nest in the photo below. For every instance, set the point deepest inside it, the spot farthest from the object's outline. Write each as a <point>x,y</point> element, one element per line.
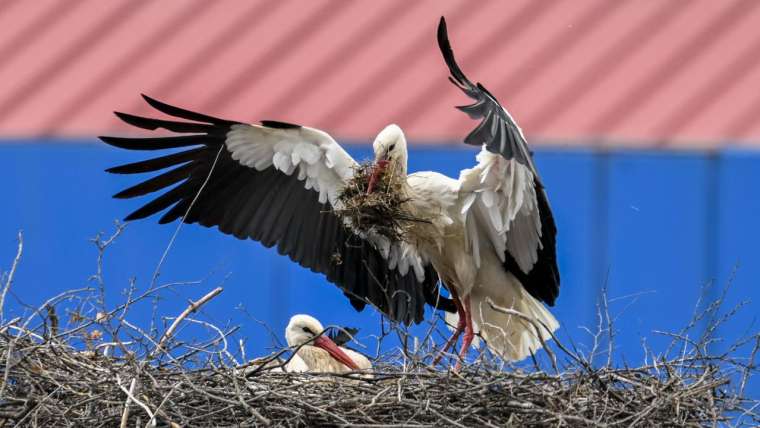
<point>317,352</point>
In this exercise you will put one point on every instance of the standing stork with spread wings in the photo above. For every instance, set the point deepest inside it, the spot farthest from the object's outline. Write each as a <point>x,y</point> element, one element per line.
<point>488,235</point>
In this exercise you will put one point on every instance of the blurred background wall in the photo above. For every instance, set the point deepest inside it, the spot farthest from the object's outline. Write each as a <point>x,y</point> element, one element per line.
<point>643,116</point>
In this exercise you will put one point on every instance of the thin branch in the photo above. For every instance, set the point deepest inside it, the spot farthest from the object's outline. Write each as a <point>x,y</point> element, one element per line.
<point>194,306</point>
<point>161,261</point>
<point>11,274</point>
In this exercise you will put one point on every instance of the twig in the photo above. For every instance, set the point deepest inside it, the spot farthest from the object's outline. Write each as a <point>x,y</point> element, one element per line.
<point>11,274</point>
<point>194,306</point>
<point>135,384</point>
<point>130,395</point>
<point>157,272</point>
<point>102,245</point>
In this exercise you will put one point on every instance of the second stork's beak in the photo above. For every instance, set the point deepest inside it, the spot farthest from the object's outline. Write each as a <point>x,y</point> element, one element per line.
<point>377,171</point>
<point>334,350</point>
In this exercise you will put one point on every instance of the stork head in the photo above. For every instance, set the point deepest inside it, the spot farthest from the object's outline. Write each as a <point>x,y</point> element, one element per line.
<point>303,329</point>
<point>390,154</point>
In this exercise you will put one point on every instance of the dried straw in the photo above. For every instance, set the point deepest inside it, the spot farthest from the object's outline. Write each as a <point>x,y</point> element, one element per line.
<point>384,211</point>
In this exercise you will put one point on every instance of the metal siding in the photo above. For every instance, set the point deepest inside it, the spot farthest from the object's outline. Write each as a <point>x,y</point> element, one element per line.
<point>680,74</point>
<point>737,220</point>
<point>738,262</point>
<point>657,244</point>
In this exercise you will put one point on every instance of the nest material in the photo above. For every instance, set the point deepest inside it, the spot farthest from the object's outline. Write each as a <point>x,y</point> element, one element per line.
<point>384,211</point>
<point>50,383</point>
<point>94,368</point>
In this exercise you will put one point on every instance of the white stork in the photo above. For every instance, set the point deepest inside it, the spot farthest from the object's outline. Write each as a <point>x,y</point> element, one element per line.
<point>317,352</point>
<point>491,233</point>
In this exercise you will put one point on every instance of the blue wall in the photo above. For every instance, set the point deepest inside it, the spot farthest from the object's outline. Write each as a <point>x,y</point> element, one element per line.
<point>654,227</point>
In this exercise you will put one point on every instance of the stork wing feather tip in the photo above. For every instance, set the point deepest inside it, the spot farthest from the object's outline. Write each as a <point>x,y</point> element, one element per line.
<point>137,121</point>
<point>457,76</point>
<point>497,130</point>
<point>184,113</point>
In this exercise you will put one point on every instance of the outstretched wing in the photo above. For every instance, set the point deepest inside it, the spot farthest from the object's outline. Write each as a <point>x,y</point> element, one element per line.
<point>276,183</point>
<point>503,198</point>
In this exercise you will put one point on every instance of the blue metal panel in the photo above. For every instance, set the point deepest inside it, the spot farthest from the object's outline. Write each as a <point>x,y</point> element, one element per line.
<point>738,219</point>
<point>737,258</point>
<point>661,224</point>
<point>656,244</point>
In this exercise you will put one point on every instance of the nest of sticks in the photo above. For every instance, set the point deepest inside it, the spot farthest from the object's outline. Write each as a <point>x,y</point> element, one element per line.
<point>383,211</point>
<point>85,364</point>
<point>51,383</point>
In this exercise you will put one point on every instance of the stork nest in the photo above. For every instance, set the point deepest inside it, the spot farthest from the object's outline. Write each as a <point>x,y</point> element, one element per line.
<point>73,361</point>
<point>51,383</point>
<point>384,211</point>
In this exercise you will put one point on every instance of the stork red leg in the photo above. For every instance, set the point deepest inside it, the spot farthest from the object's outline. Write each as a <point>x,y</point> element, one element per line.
<point>459,329</point>
<point>469,334</point>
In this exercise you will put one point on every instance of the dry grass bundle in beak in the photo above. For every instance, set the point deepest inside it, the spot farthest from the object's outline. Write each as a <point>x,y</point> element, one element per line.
<point>383,210</point>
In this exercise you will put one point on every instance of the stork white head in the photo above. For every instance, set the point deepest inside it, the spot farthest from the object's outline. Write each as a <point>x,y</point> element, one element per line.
<point>390,154</point>
<point>304,328</point>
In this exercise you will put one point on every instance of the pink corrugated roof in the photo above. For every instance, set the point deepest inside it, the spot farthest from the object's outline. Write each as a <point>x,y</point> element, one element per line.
<point>642,73</point>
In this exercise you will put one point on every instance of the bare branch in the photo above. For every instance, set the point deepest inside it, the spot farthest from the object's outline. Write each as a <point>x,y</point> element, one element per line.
<point>194,306</point>
<point>11,274</point>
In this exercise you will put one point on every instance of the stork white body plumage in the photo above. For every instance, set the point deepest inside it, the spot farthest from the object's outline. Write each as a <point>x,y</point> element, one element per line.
<point>321,364</point>
<point>489,234</point>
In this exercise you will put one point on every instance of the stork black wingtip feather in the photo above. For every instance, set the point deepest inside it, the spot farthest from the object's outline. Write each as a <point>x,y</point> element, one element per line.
<point>137,121</point>
<point>155,164</point>
<point>279,125</point>
<point>152,124</point>
<point>443,38</point>
<point>133,216</point>
<point>184,113</point>
<point>156,104</point>
<point>112,141</point>
<point>457,76</point>
<point>153,102</point>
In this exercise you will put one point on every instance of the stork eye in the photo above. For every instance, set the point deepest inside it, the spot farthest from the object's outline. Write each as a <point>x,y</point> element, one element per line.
<point>308,330</point>
<point>391,147</point>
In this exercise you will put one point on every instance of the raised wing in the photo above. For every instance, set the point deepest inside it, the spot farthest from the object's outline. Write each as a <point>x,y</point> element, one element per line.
<point>275,183</point>
<point>497,131</point>
<point>503,199</point>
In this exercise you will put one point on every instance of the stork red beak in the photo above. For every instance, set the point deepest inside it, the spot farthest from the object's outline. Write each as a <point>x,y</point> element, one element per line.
<point>377,172</point>
<point>328,345</point>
